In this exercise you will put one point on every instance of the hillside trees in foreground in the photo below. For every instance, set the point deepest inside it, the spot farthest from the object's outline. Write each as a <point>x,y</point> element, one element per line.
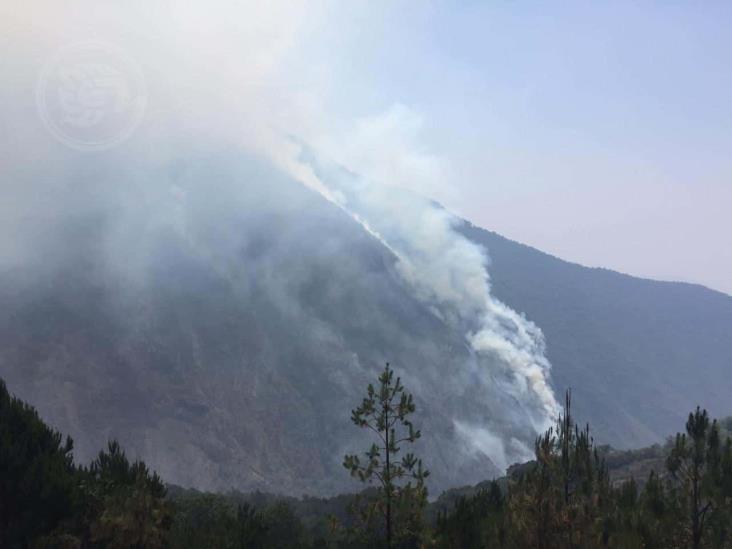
<point>700,464</point>
<point>48,501</point>
<point>126,502</point>
<point>564,498</point>
<point>38,481</point>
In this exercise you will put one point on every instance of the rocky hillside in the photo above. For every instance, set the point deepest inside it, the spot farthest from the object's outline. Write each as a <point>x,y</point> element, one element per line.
<point>229,354</point>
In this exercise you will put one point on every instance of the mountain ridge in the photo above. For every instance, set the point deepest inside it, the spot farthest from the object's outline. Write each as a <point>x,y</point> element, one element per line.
<point>645,300</point>
<point>610,270</point>
<point>220,336</point>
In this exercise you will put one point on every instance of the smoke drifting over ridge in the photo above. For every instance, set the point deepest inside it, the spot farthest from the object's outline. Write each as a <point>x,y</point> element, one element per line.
<point>143,188</point>
<point>449,274</point>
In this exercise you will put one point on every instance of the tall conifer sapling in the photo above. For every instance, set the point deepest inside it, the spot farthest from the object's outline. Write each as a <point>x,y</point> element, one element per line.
<point>385,411</point>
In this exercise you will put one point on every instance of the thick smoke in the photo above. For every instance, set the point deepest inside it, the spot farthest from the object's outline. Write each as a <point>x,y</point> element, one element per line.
<point>233,80</point>
<point>449,273</point>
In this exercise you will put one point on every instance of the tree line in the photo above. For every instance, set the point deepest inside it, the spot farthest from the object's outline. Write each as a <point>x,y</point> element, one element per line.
<point>563,498</point>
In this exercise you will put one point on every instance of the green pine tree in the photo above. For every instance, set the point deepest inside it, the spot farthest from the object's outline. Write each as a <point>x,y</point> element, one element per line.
<point>385,411</point>
<point>38,480</point>
<point>696,464</point>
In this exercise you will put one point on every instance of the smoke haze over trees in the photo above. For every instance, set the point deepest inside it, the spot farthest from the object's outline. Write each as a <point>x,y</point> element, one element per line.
<point>213,286</point>
<point>566,496</point>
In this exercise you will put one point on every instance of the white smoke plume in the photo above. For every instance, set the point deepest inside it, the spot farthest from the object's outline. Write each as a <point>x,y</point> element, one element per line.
<point>449,273</point>
<point>240,76</point>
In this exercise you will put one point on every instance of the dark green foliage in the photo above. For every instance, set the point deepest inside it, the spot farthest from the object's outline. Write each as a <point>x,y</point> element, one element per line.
<point>699,464</point>
<point>127,502</point>
<point>210,520</point>
<point>560,501</point>
<point>565,497</point>
<point>228,522</point>
<point>474,521</point>
<point>112,469</point>
<point>38,482</point>
<point>46,501</point>
<point>283,528</point>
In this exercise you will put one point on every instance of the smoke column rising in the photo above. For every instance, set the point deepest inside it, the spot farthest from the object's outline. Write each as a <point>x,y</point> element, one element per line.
<point>449,273</point>
<point>238,78</point>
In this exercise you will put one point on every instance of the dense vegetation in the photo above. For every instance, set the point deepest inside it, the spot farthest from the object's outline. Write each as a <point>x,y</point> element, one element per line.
<point>48,501</point>
<point>566,497</point>
<point>574,494</point>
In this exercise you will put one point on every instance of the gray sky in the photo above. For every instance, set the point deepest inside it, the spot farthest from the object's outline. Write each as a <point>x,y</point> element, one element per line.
<point>598,133</point>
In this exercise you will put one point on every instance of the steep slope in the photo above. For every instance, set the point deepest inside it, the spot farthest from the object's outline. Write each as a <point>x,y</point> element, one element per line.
<point>230,353</point>
<point>221,320</point>
<point>638,354</point>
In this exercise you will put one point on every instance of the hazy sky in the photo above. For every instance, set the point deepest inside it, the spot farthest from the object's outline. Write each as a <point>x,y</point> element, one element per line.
<point>599,133</point>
